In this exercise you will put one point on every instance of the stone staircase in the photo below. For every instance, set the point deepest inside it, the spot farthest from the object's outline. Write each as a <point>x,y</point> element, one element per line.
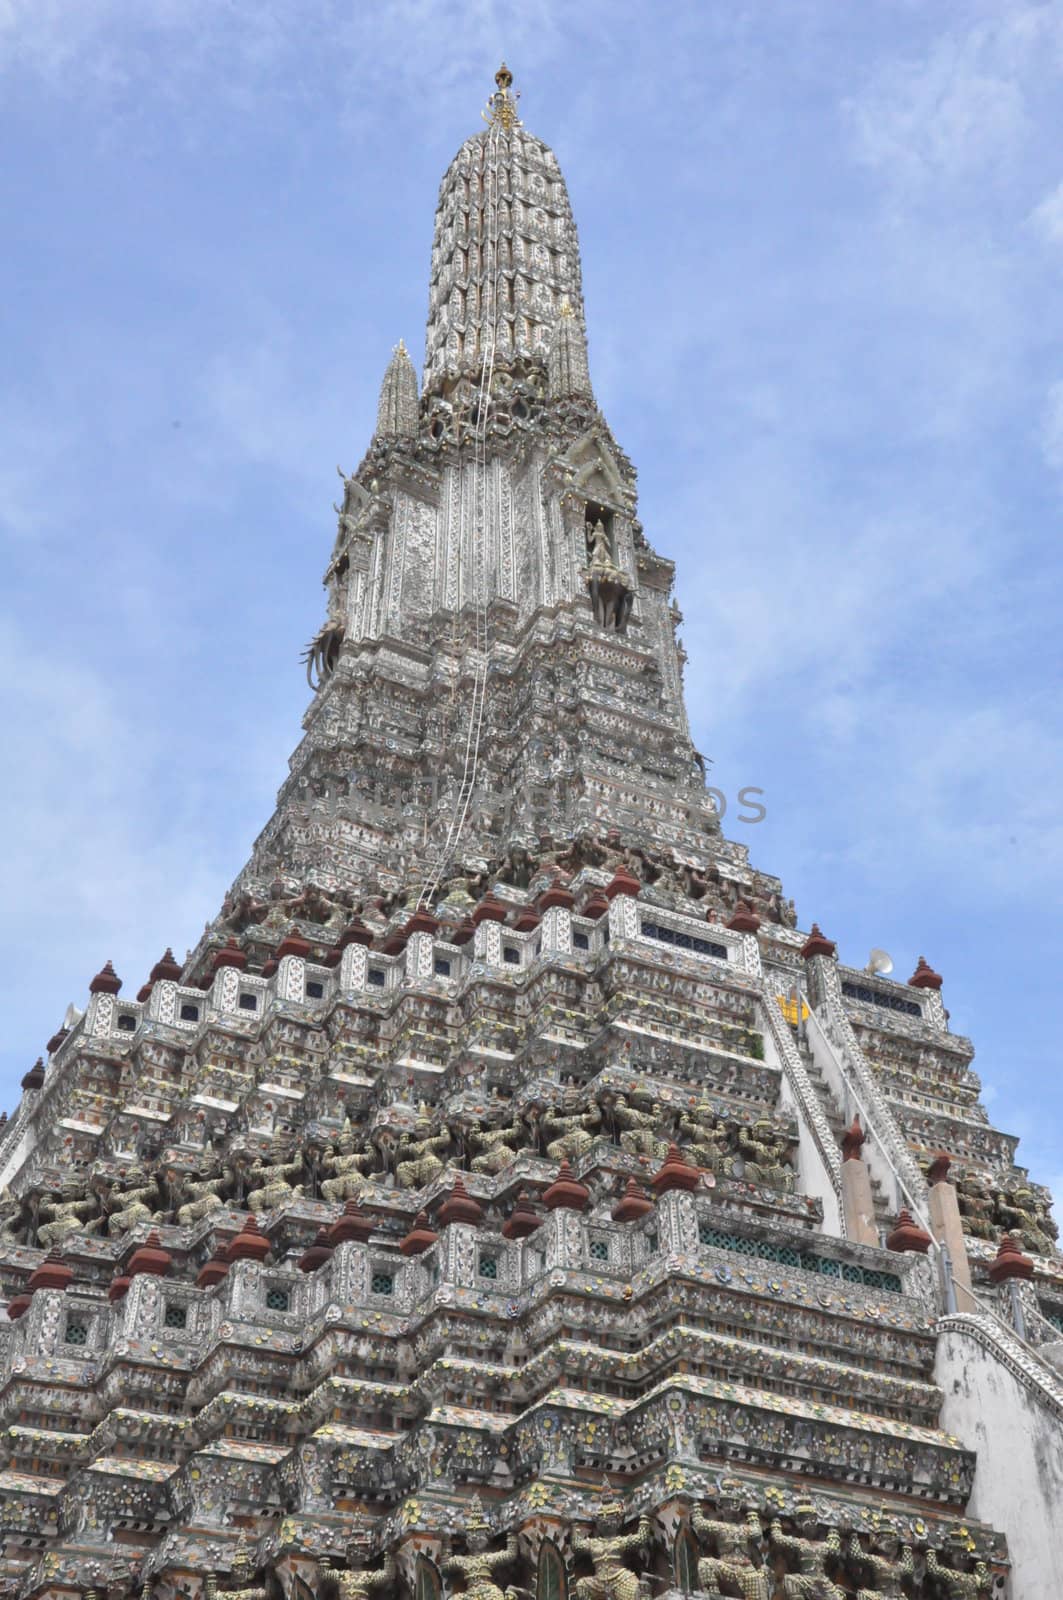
<point>838,1125</point>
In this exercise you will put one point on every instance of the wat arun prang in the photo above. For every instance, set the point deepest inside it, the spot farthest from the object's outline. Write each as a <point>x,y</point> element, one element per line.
<point>507,1196</point>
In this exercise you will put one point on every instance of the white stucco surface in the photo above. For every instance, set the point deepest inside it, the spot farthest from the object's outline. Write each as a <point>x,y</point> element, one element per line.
<point>999,1405</point>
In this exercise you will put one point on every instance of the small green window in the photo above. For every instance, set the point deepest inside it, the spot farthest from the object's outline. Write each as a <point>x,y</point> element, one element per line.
<point>278,1300</point>
<point>382,1283</point>
<point>599,1249</point>
<point>175,1316</point>
<point>489,1266</point>
<point>76,1331</point>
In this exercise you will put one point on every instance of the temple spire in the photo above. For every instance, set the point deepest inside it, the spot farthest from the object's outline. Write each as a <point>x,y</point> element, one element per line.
<point>568,369</point>
<point>505,253</point>
<point>397,412</point>
<point>501,109</point>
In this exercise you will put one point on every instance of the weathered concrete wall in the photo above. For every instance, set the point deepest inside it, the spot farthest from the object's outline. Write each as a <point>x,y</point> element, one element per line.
<point>1000,1404</point>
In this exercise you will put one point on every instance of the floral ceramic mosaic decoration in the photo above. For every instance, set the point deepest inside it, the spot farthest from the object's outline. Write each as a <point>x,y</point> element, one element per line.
<point>505,1196</point>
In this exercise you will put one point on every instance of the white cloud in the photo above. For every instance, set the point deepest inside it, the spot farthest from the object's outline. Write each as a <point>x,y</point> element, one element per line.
<point>1047,217</point>
<point>29,450</point>
<point>961,107</point>
<point>421,53</point>
<point>1051,435</point>
<point>89,849</point>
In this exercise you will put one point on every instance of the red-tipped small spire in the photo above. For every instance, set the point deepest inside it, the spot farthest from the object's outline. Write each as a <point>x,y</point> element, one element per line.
<point>164,970</point>
<point>633,1205</point>
<point>106,981</point>
<point>393,941</point>
<point>853,1141</point>
<point>230,955</point>
<point>522,1220</point>
<point>150,1257</point>
<point>817,944</point>
<point>168,969</point>
<point>317,1253</point>
<point>743,919</point>
<point>461,1206</point>
<point>52,1273</point>
<point>213,1271</point>
<point>623,882</point>
<point>908,1235</point>
<point>924,976</point>
<point>566,1192</point>
<point>34,1078</point>
<point>352,1223</point>
<point>422,1236</point>
<point>250,1244</point>
<point>292,945</point>
<point>355,932</point>
<point>490,909</point>
<point>118,1287</point>
<point>675,1172</point>
<point>1009,1261</point>
<point>557,894</point>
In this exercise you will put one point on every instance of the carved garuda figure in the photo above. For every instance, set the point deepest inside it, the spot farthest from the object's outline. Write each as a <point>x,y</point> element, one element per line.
<point>570,1130</point>
<point>960,1583</point>
<point>765,1154</point>
<point>479,1566</point>
<point>630,1127</point>
<point>887,1563</point>
<point>606,1549</point>
<point>357,1581</point>
<point>976,1206</point>
<point>497,1147</point>
<point>419,1157</point>
<point>811,1556</point>
<point>708,1141</point>
<point>738,1542</point>
<point>1022,1211</point>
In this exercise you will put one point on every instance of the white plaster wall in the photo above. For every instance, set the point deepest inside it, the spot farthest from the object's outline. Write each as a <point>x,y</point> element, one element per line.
<point>812,1176</point>
<point>1018,1435</point>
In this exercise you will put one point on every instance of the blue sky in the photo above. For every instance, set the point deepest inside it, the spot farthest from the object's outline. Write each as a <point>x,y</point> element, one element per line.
<point>823,255</point>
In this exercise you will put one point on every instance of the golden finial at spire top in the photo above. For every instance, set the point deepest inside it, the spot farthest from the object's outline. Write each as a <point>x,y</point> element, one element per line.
<point>501,109</point>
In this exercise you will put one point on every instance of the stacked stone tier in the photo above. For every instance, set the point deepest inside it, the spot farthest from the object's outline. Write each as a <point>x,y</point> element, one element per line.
<point>714,1332</point>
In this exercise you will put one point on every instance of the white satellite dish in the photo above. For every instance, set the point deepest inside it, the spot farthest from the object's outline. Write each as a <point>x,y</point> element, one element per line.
<point>879,962</point>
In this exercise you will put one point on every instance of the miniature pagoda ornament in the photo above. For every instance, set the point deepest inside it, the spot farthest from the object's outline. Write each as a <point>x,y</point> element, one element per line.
<point>503,1128</point>
<point>501,109</point>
